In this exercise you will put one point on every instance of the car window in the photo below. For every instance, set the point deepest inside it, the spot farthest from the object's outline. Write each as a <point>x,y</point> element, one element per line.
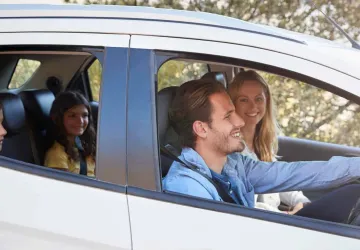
<point>307,112</point>
<point>33,140</point>
<point>94,74</point>
<point>176,72</point>
<point>24,69</point>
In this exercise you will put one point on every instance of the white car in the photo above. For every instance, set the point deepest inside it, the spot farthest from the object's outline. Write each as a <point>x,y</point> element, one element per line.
<point>49,47</point>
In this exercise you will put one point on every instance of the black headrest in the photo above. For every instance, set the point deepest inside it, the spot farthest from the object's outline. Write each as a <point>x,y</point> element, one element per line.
<point>164,99</point>
<point>217,76</point>
<point>54,85</point>
<point>14,113</point>
<point>38,104</point>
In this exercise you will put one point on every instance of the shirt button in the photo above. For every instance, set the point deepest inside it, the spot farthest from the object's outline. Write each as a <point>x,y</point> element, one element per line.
<point>230,192</point>
<point>228,182</point>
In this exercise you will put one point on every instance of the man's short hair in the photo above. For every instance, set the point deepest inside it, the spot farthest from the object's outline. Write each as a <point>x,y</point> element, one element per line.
<point>191,103</point>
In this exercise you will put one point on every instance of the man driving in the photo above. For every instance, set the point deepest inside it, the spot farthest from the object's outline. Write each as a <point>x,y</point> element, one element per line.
<point>204,116</point>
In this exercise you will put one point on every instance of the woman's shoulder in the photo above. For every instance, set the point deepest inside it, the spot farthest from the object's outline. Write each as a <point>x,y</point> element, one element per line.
<point>55,149</point>
<point>56,157</point>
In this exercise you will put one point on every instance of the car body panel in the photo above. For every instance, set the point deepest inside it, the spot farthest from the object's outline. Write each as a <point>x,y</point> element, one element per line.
<point>43,213</point>
<point>183,227</point>
<point>125,20</point>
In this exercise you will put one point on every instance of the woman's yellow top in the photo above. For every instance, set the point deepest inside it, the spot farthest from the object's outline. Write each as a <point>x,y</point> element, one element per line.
<point>56,157</point>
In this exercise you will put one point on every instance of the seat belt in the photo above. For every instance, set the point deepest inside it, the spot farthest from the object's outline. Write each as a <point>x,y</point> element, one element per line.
<point>83,163</point>
<point>33,146</point>
<point>224,195</point>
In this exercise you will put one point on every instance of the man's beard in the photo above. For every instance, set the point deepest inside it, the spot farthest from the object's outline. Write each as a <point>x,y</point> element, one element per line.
<point>222,143</point>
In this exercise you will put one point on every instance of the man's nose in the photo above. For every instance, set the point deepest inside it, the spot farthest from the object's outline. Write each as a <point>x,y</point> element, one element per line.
<point>238,121</point>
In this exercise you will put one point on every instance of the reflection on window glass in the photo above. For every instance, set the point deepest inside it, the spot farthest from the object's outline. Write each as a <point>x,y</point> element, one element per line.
<point>94,73</point>
<point>175,73</point>
<point>24,70</point>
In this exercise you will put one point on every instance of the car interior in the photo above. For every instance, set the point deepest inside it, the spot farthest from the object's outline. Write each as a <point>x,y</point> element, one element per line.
<point>290,149</point>
<point>27,106</point>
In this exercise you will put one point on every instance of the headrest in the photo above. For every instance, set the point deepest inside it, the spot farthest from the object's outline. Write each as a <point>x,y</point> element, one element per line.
<point>38,104</point>
<point>164,99</point>
<point>54,85</point>
<point>14,113</point>
<point>217,76</point>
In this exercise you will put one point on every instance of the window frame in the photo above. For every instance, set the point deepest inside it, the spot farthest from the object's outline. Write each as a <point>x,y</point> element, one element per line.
<point>105,169</point>
<point>81,73</point>
<point>149,164</point>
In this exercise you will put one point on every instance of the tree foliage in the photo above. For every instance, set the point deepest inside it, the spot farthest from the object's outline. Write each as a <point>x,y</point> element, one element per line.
<point>304,111</point>
<point>23,71</point>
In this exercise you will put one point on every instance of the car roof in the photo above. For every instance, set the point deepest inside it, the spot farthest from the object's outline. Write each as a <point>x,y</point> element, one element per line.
<point>147,13</point>
<point>316,49</point>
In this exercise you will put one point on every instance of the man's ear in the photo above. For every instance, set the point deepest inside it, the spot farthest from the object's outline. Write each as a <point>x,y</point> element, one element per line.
<point>200,129</point>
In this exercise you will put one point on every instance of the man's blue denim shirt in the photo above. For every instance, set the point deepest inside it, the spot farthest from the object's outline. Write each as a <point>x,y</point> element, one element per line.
<point>227,185</point>
<point>259,177</point>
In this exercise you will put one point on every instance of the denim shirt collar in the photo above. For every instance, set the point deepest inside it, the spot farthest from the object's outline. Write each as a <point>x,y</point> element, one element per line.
<point>192,157</point>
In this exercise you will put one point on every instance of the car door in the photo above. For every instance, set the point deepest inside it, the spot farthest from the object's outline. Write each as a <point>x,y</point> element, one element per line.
<point>172,221</point>
<point>43,208</point>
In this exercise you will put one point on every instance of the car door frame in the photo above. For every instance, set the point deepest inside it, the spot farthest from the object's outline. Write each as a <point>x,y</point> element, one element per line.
<point>144,180</point>
<point>111,173</point>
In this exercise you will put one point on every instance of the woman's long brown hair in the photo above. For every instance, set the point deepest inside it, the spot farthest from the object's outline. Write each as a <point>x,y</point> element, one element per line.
<point>267,130</point>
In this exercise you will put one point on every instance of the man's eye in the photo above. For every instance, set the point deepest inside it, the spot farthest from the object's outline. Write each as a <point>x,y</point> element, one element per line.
<point>259,99</point>
<point>242,100</point>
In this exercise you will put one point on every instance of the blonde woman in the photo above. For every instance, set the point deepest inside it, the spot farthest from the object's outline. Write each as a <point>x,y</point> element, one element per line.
<point>253,102</point>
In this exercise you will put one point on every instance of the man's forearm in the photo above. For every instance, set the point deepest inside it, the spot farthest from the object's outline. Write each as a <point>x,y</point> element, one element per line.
<point>283,176</point>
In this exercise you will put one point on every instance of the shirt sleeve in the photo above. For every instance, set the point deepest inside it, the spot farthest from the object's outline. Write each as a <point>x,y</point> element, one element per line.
<point>56,159</point>
<point>267,207</point>
<point>271,177</point>
<point>186,185</point>
<point>293,197</point>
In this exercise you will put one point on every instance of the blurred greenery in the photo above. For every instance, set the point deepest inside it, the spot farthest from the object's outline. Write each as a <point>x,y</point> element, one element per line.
<point>94,73</point>
<point>174,73</point>
<point>304,111</point>
<point>24,70</point>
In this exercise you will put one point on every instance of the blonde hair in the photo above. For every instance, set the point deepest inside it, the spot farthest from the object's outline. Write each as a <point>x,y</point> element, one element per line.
<point>267,130</point>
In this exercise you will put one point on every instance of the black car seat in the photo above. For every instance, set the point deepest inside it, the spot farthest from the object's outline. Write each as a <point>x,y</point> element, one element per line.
<point>17,144</point>
<point>54,85</point>
<point>37,106</point>
<point>167,135</point>
<point>94,111</point>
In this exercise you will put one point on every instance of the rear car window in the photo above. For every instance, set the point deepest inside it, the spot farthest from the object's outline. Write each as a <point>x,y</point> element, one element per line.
<point>24,70</point>
<point>176,72</point>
